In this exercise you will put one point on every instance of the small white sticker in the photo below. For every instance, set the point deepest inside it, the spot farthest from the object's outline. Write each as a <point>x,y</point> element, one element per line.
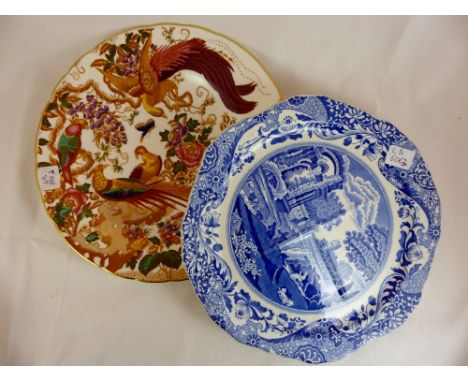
<point>400,157</point>
<point>49,178</point>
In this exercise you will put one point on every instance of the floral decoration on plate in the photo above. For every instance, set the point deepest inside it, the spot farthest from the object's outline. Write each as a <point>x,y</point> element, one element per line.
<point>311,229</point>
<point>123,134</point>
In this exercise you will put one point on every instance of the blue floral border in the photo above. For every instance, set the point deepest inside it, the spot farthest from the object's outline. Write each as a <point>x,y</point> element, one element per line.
<point>246,319</point>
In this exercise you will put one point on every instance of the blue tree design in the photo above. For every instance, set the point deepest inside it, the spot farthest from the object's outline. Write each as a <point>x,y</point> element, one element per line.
<point>365,249</point>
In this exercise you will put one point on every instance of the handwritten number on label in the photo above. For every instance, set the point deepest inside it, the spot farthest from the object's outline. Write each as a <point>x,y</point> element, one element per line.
<point>400,157</point>
<point>397,158</point>
<point>49,177</point>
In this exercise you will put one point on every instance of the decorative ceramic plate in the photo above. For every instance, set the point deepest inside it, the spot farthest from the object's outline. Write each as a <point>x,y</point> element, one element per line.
<point>311,229</point>
<point>122,136</point>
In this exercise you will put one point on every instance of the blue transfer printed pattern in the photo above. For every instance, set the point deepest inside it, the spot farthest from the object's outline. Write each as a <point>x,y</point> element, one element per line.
<point>283,227</point>
<point>282,330</point>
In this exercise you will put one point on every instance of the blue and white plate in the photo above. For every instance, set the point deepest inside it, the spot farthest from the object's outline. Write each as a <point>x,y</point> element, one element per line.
<point>311,229</point>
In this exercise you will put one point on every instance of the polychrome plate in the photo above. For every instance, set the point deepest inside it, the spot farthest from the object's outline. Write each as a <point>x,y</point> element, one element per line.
<point>311,229</point>
<point>122,136</point>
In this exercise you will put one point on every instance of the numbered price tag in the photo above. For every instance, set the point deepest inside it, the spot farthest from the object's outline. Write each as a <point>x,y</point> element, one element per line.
<point>49,178</point>
<point>400,157</point>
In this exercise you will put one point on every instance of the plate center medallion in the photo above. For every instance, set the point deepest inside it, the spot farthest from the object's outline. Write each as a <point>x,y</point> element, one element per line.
<point>310,227</point>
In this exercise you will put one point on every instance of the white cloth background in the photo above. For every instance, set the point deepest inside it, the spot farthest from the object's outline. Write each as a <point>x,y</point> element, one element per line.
<point>55,308</point>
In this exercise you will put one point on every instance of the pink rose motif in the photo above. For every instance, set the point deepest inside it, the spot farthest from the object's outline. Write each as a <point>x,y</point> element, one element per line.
<point>190,153</point>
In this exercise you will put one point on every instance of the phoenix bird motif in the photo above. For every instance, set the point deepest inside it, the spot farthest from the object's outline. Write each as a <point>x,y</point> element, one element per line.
<point>143,188</point>
<point>152,81</point>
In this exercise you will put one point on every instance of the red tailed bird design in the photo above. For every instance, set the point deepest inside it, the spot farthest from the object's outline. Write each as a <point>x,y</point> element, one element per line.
<point>157,195</point>
<point>153,83</point>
